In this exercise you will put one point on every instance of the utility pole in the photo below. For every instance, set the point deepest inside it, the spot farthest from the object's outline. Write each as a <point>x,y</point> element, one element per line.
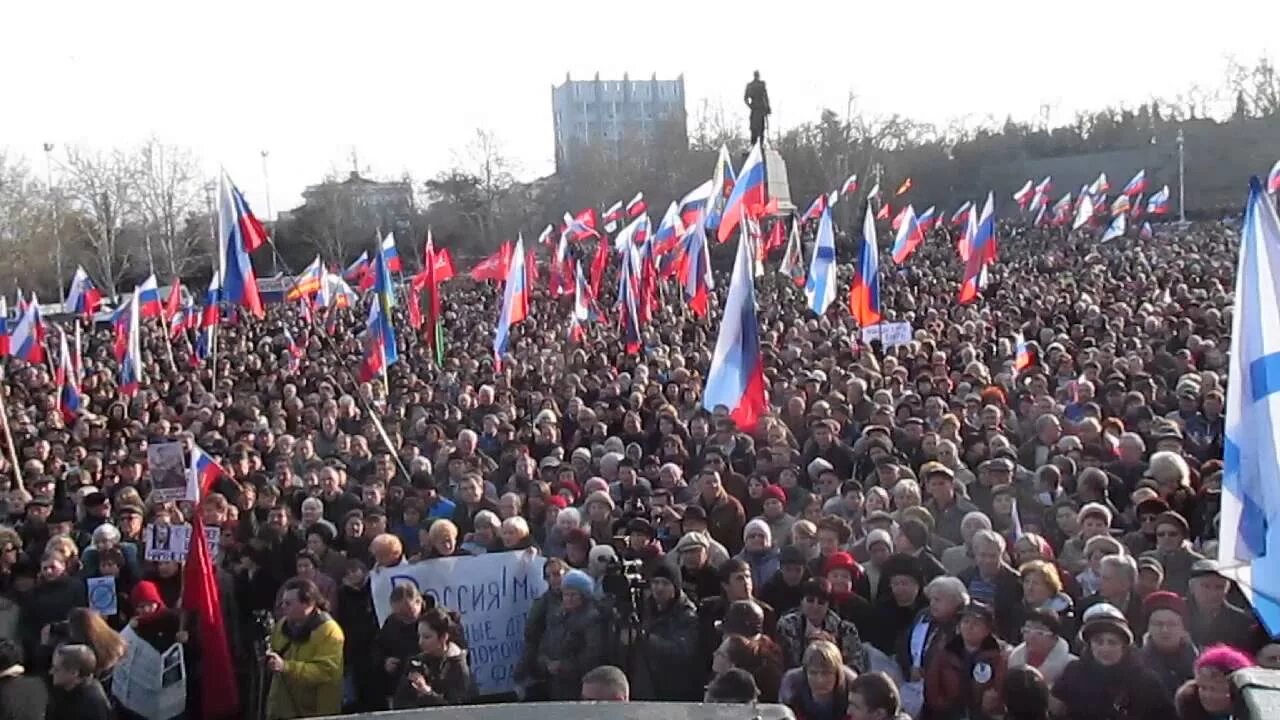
<point>1182,174</point>
<point>53,218</point>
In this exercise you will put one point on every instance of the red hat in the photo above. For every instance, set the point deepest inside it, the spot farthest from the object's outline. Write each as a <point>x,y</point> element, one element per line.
<point>1164,600</point>
<point>841,561</point>
<point>146,592</point>
<point>572,487</point>
<point>557,501</point>
<point>577,536</point>
<point>774,492</point>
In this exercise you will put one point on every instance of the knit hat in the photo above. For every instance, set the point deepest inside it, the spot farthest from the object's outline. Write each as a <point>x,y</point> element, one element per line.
<point>599,496</point>
<point>557,501</point>
<point>760,526</point>
<point>572,486</point>
<point>663,571</point>
<point>146,592</point>
<point>774,492</point>
<point>1223,658</point>
<point>1164,600</point>
<point>879,536</point>
<point>841,561</point>
<point>578,580</point>
<point>1094,508</point>
<point>692,541</point>
<point>1105,617</point>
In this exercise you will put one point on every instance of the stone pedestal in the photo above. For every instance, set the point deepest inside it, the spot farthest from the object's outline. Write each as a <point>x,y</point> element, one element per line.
<point>779,187</point>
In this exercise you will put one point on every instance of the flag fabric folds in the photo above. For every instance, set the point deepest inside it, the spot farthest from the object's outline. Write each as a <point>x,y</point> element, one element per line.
<point>820,284</point>
<point>611,217</point>
<point>379,344</point>
<point>26,341</point>
<point>1158,203</point>
<point>515,301</point>
<point>849,185</point>
<point>148,296</point>
<point>494,267</point>
<point>202,598</point>
<point>131,365</point>
<point>1024,194</point>
<point>1084,212</point>
<point>67,377</point>
<point>1249,534</point>
<point>358,268</point>
<point>864,293</point>
<point>723,180</point>
<point>909,235</point>
<point>307,283</point>
<point>1115,229</point>
<point>636,205</point>
<point>748,193</point>
<point>793,257</point>
<point>981,254</point>
<point>1136,185</point>
<point>735,379</point>
<point>239,234</point>
<point>83,297</point>
<point>696,279</point>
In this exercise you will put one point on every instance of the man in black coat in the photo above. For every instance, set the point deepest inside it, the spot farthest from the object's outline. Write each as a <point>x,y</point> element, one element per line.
<point>22,697</point>
<point>1213,619</point>
<point>77,695</point>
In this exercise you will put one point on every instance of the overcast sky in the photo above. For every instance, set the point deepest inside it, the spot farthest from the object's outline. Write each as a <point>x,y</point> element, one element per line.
<point>405,83</point>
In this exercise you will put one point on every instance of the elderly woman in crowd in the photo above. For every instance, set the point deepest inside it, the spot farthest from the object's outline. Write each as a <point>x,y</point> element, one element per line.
<point>1044,645</point>
<point>1109,682</point>
<point>1211,694</point>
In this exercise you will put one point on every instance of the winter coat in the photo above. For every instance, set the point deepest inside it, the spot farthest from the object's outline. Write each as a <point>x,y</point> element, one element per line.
<point>764,565</point>
<point>448,677</point>
<point>956,681</point>
<point>1173,669</point>
<point>794,628</point>
<point>795,694</point>
<point>782,597</point>
<point>1231,625</point>
<point>891,621</point>
<point>1052,666</point>
<point>311,683</point>
<point>939,634</point>
<point>725,520</point>
<point>1060,604</point>
<point>663,666</point>
<point>576,640</point>
<point>535,625</point>
<point>22,697</point>
<point>1125,691</point>
<point>396,639</point>
<point>1004,594</point>
<point>48,603</point>
<point>86,701</point>
<point>711,612</point>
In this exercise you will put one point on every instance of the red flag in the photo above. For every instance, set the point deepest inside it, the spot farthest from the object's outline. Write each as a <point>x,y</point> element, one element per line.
<point>220,697</point>
<point>776,237</point>
<point>173,304</point>
<point>530,269</point>
<point>493,267</point>
<point>599,264</point>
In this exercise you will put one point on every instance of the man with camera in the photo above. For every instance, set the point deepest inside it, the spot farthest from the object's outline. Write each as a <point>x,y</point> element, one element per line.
<point>305,656</point>
<point>662,664</point>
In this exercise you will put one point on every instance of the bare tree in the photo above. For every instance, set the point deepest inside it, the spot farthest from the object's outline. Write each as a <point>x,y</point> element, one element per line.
<point>1257,85</point>
<point>484,158</point>
<point>169,190</point>
<point>101,188</point>
<point>26,228</point>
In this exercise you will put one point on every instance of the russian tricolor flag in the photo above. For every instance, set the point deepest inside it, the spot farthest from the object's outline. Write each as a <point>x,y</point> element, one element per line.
<point>83,297</point>
<point>964,245</point>
<point>982,253</point>
<point>864,294</point>
<point>239,234</point>
<point>1158,203</point>
<point>1024,194</point>
<point>515,301</point>
<point>748,192</point>
<point>27,339</point>
<point>1021,354</point>
<point>1137,184</point>
<point>696,270</point>
<point>735,379</point>
<point>390,256</point>
<point>693,206</point>
<point>148,297</point>
<point>380,351</point>
<point>630,301</point>
<point>202,473</point>
<point>358,268</point>
<point>4,327</point>
<point>909,235</point>
<point>68,382</point>
<point>816,208</point>
<point>849,185</point>
<point>131,365</point>
<point>722,184</point>
<point>637,205</point>
<point>961,214</point>
<point>585,309</point>
<point>926,219</point>
<point>820,286</point>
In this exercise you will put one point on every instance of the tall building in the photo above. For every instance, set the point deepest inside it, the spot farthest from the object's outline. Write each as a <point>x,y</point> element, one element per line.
<point>605,112</point>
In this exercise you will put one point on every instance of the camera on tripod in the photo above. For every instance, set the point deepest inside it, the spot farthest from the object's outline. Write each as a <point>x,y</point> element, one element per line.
<point>624,584</point>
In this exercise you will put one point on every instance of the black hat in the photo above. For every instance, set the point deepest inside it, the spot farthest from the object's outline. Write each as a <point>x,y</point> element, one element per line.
<point>791,555</point>
<point>95,499</point>
<point>695,512</point>
<point>901,564</point>
<point>640,525</point>
<point>663,571</point>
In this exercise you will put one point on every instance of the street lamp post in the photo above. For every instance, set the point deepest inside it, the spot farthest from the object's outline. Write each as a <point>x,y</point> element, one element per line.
<point>53,218</point>
<point>1182,171</point>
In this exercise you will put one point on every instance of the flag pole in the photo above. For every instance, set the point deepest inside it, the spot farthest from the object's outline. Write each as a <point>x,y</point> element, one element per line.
<point>8,437</point>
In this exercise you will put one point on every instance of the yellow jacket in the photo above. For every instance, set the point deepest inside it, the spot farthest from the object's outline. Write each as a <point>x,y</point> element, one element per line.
<point>311,684</point>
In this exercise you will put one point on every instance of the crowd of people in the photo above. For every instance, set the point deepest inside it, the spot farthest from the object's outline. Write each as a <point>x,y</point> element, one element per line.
<point>935,529</point>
